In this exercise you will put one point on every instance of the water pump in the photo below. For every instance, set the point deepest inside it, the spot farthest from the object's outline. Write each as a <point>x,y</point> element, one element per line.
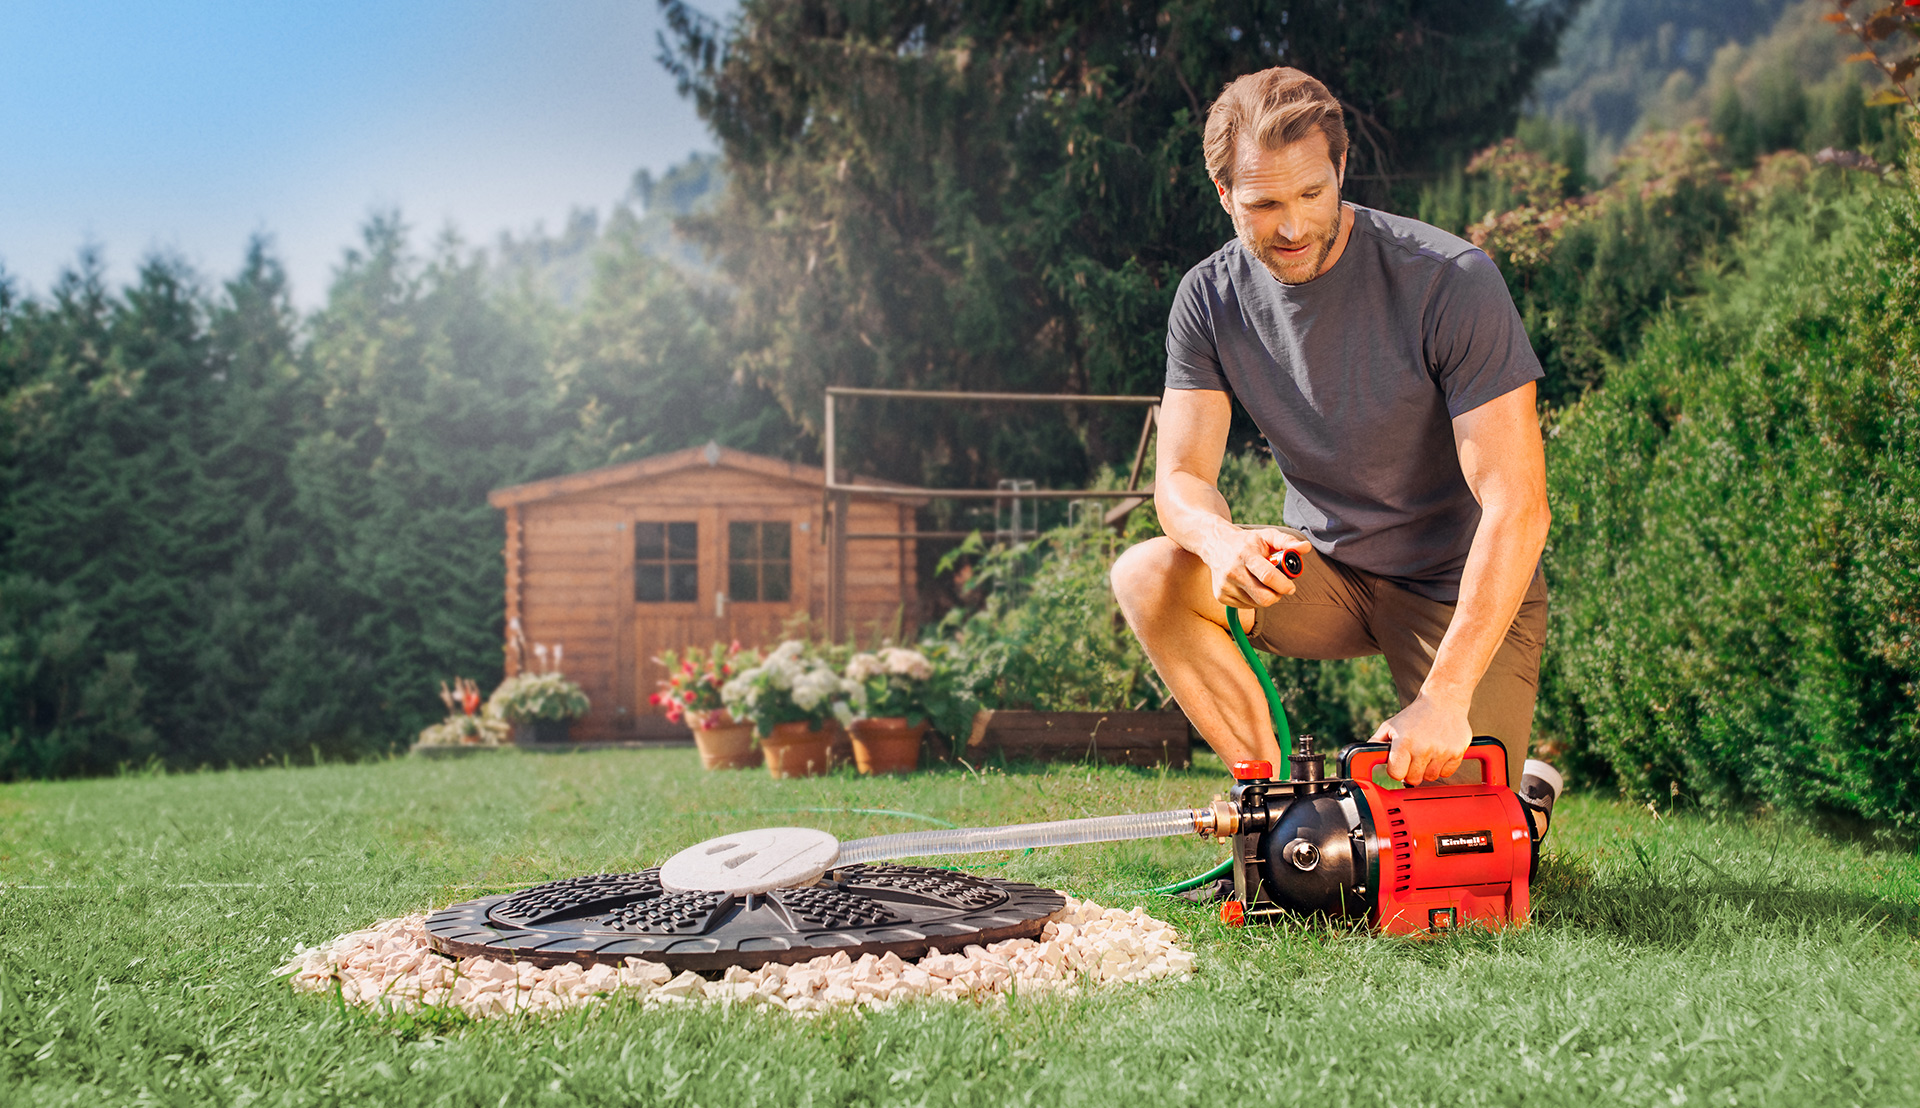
<point>1358,844</point>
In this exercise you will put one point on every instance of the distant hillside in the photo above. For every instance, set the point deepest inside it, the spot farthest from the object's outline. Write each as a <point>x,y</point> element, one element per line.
<point>561,266</point>
<point>1628,63</point>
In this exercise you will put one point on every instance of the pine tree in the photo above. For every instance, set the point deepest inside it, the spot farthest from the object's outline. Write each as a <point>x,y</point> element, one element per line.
<point>642,367</point>
<point>434,393</point>
<point>996,194</point>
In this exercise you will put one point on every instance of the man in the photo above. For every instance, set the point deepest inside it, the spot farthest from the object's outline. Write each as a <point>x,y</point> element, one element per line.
<point>1385,364</point>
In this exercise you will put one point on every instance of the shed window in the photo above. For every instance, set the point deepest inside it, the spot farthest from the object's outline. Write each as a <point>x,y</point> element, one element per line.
<point>666,562</point>
<point>759,561</point>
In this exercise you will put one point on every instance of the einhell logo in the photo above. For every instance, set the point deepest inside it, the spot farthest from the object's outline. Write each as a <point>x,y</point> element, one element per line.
<point>1463,842</point>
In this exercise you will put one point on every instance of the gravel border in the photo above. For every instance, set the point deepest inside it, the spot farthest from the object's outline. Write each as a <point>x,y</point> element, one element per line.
<point>389,966</point>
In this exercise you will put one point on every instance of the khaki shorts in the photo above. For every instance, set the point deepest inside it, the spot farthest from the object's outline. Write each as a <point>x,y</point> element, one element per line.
<point>1337,611</point>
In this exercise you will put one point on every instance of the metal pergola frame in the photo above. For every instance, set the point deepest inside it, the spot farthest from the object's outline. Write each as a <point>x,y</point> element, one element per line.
<point>840,495</point>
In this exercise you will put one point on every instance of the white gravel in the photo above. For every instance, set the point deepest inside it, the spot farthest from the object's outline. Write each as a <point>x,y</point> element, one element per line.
<point>390,965</point>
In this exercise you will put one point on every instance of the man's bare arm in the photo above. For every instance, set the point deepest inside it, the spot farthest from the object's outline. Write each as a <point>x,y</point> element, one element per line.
<point>1192,442</point>
<point>1505,466</point>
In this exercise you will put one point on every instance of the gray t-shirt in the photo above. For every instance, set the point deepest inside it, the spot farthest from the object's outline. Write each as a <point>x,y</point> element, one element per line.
<point>1354,377</point>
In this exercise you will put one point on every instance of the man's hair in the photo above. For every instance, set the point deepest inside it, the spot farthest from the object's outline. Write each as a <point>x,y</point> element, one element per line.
<point>1277,107</point>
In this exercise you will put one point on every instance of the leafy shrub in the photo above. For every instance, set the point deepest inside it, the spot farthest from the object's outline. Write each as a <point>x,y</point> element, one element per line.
<point>1590,272</point>
<point>464,730</point>
<point>527,697</point>
<point>1046,633</point>
<point>1735,559</point>
<point>466,724</point>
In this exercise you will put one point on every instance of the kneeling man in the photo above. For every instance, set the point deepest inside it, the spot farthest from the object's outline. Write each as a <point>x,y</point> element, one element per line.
<point>1385,364</point>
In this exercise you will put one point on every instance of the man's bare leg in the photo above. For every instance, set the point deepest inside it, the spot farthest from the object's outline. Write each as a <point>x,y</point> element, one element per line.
<point>1166,595</point>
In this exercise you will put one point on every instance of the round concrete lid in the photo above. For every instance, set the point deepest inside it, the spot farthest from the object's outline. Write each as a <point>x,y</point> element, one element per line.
<point>752,861</point>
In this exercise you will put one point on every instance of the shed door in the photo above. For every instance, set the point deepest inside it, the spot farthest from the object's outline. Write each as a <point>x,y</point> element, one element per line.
<point>716,574</point>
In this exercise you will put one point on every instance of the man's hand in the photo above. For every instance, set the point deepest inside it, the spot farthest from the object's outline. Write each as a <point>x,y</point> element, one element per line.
<point>1430,738</point>
<point>1240,561</point>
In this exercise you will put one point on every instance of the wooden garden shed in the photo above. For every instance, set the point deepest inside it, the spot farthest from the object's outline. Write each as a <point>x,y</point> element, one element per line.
<point>704,545</point>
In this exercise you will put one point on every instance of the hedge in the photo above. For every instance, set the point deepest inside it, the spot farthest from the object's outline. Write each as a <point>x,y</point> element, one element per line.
<point>1735,587</point>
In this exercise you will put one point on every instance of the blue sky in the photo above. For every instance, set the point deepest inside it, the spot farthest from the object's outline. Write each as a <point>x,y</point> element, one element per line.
<point>188,126</point>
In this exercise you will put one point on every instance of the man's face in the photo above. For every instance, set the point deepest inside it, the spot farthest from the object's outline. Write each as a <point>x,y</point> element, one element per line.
<point>1285,205</point>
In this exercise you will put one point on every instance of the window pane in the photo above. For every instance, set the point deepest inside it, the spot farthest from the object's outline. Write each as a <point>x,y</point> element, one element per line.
<point>775,580</point>
<point>743,542</point>
<point>683,541</point>
<point>649,582</point>
<point>742,582</point>
<point>683,579</point>
<point>775,540</point>
<point>649,541</point>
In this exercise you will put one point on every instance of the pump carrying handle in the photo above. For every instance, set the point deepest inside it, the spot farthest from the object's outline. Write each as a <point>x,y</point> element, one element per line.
<point>1359,760</point>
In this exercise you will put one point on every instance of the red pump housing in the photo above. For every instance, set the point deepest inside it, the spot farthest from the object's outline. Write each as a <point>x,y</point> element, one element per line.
<point>1411,859</point>
<point>1449,854</point>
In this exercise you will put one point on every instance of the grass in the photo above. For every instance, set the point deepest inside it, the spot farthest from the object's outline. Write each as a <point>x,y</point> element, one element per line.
<point>1677,959</point>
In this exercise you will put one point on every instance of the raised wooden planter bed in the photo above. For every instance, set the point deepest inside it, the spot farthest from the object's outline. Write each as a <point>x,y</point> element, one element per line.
<point>1116,738</point>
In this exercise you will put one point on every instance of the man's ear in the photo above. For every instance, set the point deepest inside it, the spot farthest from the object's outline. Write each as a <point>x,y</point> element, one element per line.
<point>1340,173</point>
<point>1225,200</point>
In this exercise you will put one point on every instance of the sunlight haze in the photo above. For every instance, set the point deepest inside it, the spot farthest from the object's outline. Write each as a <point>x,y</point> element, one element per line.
<point>188,127</point>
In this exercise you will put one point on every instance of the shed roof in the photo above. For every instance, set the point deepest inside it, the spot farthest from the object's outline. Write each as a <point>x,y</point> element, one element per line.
<point>710,456</point>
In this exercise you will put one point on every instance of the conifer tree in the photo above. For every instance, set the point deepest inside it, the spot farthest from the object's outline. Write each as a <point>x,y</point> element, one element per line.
<point>1003,194</point>
<point>642,367</point>
<point>433,394</point>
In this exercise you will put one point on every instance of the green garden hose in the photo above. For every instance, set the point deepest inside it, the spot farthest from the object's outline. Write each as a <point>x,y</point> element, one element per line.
<point>1282,734</point>
<point>1194,882</point>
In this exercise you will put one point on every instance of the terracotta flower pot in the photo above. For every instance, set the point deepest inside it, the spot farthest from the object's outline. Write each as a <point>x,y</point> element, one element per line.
<point>726,745</point>
<point>887,745</point>
<point>796,750</point>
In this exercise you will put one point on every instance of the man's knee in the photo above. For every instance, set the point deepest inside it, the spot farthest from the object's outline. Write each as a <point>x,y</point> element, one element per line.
<point>1147,577</point>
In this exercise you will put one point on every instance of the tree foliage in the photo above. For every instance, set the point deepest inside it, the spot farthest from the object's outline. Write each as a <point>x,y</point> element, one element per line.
<point>996,194</point>
<point>1733,562</point>
<point>230,534</point>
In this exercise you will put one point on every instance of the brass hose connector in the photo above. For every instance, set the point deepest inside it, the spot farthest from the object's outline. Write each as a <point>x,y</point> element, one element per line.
<point>1219,820</point>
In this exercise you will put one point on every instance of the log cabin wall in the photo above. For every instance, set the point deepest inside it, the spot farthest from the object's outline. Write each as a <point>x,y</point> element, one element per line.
<point>707,545</point>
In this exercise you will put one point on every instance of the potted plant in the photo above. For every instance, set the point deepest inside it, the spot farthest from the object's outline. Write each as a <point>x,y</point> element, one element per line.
<point>539,705</point>
<point>789,696</point>
<point>464,726</point>
<point>691,693</point>
<point>886,703</point>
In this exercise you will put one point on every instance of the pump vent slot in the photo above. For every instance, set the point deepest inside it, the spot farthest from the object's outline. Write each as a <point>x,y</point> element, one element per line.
<point>1402,851</point>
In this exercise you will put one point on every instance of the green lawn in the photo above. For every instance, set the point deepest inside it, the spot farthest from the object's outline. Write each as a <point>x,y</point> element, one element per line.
<point>1677,960</point>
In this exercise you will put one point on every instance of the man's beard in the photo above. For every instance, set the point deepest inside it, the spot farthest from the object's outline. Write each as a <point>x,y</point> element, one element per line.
<point>1291,272</point>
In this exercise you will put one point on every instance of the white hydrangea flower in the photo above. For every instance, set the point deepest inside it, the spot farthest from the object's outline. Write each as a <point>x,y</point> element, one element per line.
<point>740,691</point>
<point>863,666</point>
<point>906,663</point>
